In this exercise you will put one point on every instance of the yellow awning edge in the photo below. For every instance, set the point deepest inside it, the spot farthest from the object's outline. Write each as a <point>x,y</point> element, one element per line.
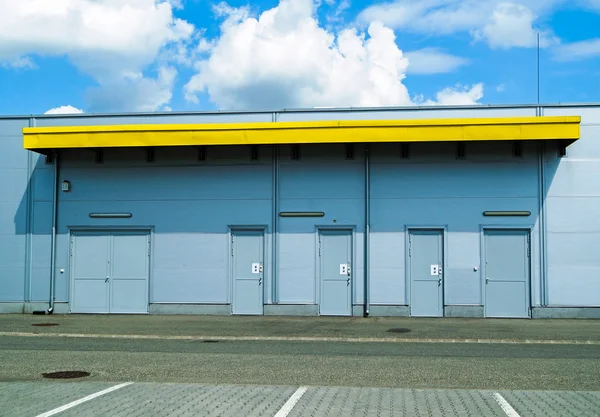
<point>564,128</point>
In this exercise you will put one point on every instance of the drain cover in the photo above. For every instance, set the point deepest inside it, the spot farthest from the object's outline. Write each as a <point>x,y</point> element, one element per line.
<point>399,330</point>
<point>44,324</point>
<point>66,374</point>
<point>210,341</point>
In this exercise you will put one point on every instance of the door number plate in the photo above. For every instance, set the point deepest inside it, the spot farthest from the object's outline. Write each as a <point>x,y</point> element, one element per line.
<point>256,268</point>
<point>343,269</point>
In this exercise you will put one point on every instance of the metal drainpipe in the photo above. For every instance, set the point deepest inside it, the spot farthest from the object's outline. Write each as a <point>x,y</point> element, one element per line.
<point>53,242</point>
<point>367,229</point>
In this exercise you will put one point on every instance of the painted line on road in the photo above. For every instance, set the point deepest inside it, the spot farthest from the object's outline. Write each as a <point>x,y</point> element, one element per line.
<point>291,402</point>
<point>506,407</point>
<point>303,338</point>
<point>83,400</point>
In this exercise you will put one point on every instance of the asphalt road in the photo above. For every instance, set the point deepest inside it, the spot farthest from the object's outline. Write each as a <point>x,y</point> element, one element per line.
<point>402,365</point>
<point>351,327</point>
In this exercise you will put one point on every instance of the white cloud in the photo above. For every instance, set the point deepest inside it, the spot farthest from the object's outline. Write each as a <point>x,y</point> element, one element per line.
<point>459,95</point>
<point>107,39</point>
<point>433,61</point>
<point>18,62</point>
<point>64,110</point>
<point>137,93</point>
<point>501,88</point>
<point>283,58</point>
<point>492,20</point>
<point>577,51</point>
<point>511,25</point>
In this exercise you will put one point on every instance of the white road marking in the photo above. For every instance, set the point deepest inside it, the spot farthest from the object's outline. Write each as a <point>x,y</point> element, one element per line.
<point>291,402</point>
<point>83,400</point>
<point>506,407</point>
<point>303,338</point>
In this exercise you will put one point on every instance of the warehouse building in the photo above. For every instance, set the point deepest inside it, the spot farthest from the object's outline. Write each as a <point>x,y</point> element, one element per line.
<point>485,211</point>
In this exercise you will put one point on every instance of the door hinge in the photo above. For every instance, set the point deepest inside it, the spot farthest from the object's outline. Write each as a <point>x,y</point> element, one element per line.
<point>232,245</point>
<point>319,245</point>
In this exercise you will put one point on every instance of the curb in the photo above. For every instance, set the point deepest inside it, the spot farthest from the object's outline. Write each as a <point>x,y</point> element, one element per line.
<point>303,339</point>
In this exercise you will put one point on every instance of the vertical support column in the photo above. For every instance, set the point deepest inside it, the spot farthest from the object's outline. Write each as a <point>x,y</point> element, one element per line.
<point>29,222</point>
<point>542,219</point>
<point>275,222</point>
<point>366,260</point>
<point>54,226</point>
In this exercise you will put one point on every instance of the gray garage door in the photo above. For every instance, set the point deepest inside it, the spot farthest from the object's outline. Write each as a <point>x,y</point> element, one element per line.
<point>247,271</point>
<point>506,273</point>
<point>425,254</point>
<point>335,256</point>
<point>109,272</point>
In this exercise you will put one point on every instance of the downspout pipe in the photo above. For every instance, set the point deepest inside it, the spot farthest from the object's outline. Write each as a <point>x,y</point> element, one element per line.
<point>367,263</point>
<point>53,241</point>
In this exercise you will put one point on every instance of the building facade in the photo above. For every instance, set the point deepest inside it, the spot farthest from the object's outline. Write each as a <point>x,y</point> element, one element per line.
<point>437,212</point>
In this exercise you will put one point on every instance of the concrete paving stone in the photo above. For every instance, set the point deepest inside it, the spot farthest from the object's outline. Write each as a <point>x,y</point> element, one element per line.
<point>27,399</point>
<point>382,402</point>
<point>183,400</point>
<point>554,403</point>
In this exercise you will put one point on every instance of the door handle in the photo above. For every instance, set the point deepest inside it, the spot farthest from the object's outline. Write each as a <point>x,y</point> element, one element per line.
<point>348,281</point>
<point>487,280</point>
<point>106,280</point>
<point>439,282</point>
<point>260,281</point>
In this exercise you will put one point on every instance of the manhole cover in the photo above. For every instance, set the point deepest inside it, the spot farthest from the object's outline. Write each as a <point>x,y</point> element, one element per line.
<point>44,324</point>
<point>210,341</point>
<point>399,330</point>
<point>65,374</point>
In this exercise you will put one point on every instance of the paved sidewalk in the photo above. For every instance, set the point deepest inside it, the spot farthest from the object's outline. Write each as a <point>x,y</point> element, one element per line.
<point>298,328</point>
<point>181,400</point>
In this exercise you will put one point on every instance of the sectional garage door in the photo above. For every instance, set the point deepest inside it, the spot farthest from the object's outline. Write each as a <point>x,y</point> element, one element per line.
<point>109,272</point>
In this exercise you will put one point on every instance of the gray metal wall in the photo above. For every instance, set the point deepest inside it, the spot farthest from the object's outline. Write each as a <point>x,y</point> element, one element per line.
<point>191,203</point>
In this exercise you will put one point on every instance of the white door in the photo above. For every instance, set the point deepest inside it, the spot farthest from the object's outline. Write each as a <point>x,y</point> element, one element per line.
<point>109,272</point>
<point>247,271</point>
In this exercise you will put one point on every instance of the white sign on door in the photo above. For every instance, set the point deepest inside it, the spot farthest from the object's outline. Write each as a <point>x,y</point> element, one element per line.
<point>343,269</point>
<point>435,270</point>
<point>256,268</point>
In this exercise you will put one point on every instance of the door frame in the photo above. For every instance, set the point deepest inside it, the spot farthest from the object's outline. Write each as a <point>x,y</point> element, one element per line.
<point>351,230</point>
<point>74,230</point>
<point>231,229</point>
<point>408,228</point>
<point>482,269</point>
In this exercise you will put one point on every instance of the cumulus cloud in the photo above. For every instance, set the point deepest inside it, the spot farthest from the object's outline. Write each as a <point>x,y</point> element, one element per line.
<point>284,58</point>
<point>68,109</point>
<point>107,39</point>
<point>500,23</point>
<point>433,61</point>
<point>459,95</point>
<point>511,25</point>
<point>137,92</point>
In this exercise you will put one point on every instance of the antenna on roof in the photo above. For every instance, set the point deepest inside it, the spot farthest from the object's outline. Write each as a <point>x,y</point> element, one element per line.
<point>538,67</point>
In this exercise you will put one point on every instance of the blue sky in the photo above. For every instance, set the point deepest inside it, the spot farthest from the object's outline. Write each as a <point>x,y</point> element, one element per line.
<point>161,55</point>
